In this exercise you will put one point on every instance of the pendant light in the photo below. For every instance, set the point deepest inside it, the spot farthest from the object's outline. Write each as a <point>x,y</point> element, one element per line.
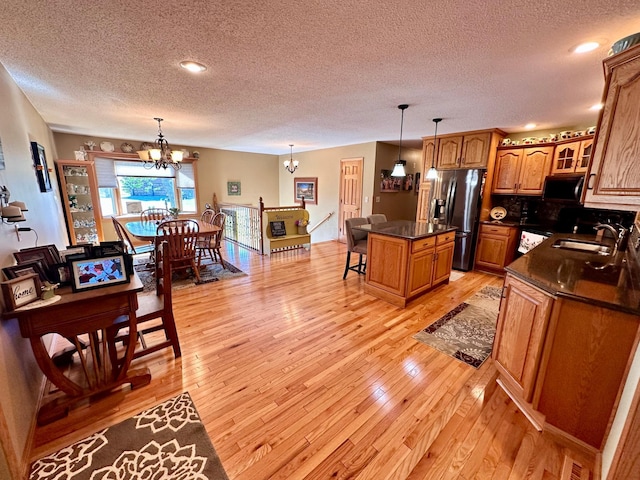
<point>290,165</point>
<point>432,174</point>
<point>398,169</point>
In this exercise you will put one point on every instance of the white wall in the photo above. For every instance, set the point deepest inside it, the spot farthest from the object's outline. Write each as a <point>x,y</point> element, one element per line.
<point>20,378</point>
<point>325,165</point>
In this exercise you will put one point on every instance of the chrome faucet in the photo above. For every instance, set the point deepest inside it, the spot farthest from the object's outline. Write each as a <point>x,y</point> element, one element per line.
<point>619,235</point>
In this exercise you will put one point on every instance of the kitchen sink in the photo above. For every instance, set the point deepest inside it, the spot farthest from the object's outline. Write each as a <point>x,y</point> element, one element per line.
<point>582,246</point>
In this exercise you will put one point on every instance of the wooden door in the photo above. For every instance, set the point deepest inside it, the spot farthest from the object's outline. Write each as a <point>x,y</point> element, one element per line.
<point>350,193</point>
<point>535,166</point>
<point>614,176</point>
<point>584,156</point>
<point>449,152</point>
<point>475,150</point>
<point>522,324</point>
<point>506,170</point>
<point>565,158</point>
<point>443,262</point>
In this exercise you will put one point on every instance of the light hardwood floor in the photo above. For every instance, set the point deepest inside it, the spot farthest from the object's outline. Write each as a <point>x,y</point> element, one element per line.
<point>298,374</point>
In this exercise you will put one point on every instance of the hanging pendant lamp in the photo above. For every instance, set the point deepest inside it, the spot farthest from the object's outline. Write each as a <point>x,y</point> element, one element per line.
<point>290,165</point>
<point>398,168</point>
<point>432,174</point>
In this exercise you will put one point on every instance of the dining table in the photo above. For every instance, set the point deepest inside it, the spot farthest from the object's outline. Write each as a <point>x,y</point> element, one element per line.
<point>147,231</point>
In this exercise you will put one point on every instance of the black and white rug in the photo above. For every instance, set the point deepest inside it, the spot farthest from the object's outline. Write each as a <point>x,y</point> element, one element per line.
<point>466,333</point>
<point>167,441</point>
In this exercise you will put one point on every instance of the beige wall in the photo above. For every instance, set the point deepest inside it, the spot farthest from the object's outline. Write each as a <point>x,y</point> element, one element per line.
<point>20,378</point>
<point>325,166</point>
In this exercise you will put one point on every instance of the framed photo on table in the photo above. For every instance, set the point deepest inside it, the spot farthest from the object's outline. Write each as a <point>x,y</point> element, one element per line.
<point>42,169</point>
<point>307,188</point>
<point>21,291</point>
<point>27,268</point>
<point>87,273</point>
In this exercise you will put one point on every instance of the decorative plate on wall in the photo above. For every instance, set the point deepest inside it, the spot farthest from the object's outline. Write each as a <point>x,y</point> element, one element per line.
<point>126,147</point>
<point>107,147</point>
<point>146,146</point>
<point>498,213</point>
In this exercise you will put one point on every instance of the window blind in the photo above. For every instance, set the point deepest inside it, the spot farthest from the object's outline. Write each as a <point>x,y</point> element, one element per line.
<point>105,173</point>
<point>136,169</point>
<point>186,176</point>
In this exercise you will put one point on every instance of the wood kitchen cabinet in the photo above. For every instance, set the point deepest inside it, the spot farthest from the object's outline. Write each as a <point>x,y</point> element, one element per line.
<point>464,151</point>
<point>522,170</point>
<point>522,323</point>
<point>444,257</point>
<point>562,361</point>
<point>496,247</point>
<point>613,181</point>
<point>572,157</point>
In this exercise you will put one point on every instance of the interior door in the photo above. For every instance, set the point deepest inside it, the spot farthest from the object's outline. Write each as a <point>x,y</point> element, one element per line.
<point>350,192</point>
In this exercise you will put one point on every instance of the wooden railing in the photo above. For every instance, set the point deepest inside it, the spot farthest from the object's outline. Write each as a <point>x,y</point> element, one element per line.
<point>242,225</point>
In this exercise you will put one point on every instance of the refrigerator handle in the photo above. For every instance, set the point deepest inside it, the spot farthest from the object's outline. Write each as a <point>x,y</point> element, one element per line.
<point>451,200</point>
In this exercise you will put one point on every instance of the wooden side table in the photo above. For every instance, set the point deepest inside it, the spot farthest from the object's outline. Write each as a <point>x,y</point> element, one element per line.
<point>90,320</point>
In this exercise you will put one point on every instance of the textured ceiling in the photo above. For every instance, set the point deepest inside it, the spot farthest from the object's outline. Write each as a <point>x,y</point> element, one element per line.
<point>315,73</point>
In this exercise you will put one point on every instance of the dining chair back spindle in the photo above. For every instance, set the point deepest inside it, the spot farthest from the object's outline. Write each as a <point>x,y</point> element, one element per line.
<point>155,214</point>
<point>181,237</point>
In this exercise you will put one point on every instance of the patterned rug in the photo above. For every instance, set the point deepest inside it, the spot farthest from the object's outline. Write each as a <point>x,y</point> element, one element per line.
<point>466,332</point>
<point>167,441</point>
<point>213,272</point>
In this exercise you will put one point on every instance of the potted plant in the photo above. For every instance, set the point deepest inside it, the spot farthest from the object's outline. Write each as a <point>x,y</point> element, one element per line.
<point>302,226</point>
<point>174,212</point>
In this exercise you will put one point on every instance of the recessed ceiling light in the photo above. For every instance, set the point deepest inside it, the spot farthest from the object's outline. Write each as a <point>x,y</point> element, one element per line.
<point>586,47</point>
<point>530,126</point>
<point>597,106</point>
<point>193,67</point>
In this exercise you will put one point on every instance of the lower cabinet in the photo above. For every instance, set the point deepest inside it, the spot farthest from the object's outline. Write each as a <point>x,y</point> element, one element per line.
<point>399,270</point>
<point>562,361</point>
<point>496,247</point>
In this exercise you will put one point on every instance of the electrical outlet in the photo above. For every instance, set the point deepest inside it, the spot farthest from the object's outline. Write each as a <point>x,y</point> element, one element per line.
<point>377,199</point>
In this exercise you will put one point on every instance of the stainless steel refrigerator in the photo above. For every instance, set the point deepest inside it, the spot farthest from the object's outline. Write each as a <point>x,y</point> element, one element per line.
<point>461,191</point>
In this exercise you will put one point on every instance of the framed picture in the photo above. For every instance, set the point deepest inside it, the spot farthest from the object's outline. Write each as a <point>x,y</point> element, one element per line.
<point>27,268</point>
<point>233,188</point>
<point>40,164</point>
<point>62,274</point>
<point>48,254</point>
<point>75,250</point>
<point>278,229</point>
<point>389,183</point>
<point>20,291</point>
<point>307,188</point>
<point>89,273</point>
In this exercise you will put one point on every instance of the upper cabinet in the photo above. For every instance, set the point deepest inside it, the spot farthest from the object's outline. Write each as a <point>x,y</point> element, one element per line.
<point>521,170</point>
<point>464,151</point>
<point>614,175</point>
<point>572,157</point>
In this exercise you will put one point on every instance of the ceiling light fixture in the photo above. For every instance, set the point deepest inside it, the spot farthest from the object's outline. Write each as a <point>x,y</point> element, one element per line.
<point>596,107</point>
<point>586,47</point>
<point>291,165</point>
<point>432,174</point>
<point>161,156</point>
<point>398,168</point>
<point>193,67</point>
<point>530,126</point>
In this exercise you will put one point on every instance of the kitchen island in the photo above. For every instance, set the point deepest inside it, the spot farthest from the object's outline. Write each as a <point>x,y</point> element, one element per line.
<point>406,259</point>
<point>567,330</point>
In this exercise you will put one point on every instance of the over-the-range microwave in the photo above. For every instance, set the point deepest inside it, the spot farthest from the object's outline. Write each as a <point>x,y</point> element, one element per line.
<point>563,188</point>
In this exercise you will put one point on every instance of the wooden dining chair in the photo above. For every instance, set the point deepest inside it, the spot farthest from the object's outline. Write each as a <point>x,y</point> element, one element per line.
<point>219,220</point>
<point>123,236</point>
<point>155,214</point>
<point>207,215</point>
<point>181,236</point>
<point>205,243</point>
<point>156,311</point>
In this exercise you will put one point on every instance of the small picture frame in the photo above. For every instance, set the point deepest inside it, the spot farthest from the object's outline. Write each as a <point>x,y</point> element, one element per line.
<point>106,249</point>
<point>278,229</point>
<point>27,268</point>
<point>41,167</point>
<point>21,291</point>
<point>88,273</point>
<point>75,250</point>
<point>62,274</point>
<point>234,189</point>
<point>306,188</point>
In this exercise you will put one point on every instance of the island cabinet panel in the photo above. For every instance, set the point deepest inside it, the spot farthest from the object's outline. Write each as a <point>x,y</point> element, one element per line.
<point>585,363</point>
<point>420,272</point>
<point>522,324</point>
<point>387,263</point>
<point>443,262</point>
<point>614,174</point>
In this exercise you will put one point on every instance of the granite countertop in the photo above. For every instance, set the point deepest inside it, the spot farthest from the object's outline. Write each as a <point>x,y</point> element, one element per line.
<point>610,281</point>
<point>407,229</point>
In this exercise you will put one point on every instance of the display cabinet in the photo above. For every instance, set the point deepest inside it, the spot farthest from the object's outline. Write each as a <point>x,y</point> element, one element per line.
<point>81,200</point>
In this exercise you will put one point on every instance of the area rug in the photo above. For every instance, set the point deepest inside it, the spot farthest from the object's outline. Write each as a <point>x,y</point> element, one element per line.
<point>466,332</point>
<point>212,272</point>
<point>167,441</point>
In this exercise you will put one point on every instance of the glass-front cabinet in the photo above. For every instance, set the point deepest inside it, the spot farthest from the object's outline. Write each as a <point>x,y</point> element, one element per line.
<point>79,192</point>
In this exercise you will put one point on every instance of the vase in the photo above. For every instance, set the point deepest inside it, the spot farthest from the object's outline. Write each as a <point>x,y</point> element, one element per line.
<point>302,230</point>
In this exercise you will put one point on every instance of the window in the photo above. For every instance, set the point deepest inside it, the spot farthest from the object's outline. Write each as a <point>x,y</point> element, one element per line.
<point>126,187</point>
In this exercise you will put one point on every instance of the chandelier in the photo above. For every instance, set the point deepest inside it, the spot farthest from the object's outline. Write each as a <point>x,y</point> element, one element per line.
<point>161,156</point>
<point>291,165</point>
